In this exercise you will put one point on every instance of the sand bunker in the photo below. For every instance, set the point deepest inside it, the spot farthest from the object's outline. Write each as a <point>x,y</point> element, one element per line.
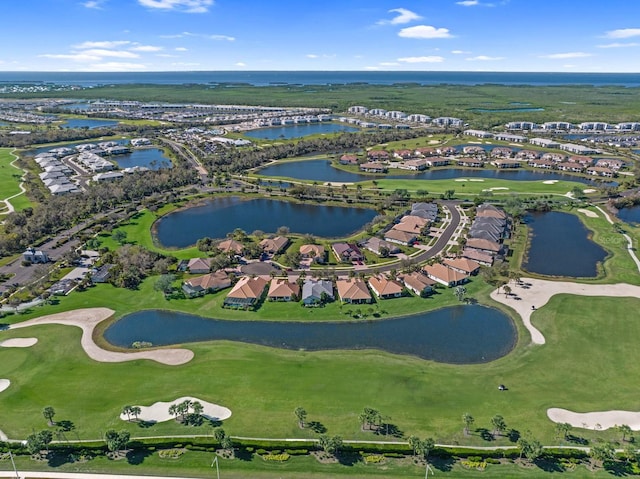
<point>589,190</point>
<point>476,179</point>
<point>87,319</point>
<point>159,411</point>
<point>595,420</point>
<point>550,182</point>
<point>460,179</point>
<point>496,188</point>
<point>4,384</point>
<point>18,342</point>
<point>589,213</point>
<point>535,293</point>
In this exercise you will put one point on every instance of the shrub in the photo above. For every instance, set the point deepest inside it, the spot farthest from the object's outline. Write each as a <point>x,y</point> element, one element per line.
<point>374,458</point>
<point>296,452</point>
<point>276,457</point>
<point>171,453</point>
<point>491,460</point>
<point>479,465</point>
<point>396,455</point>
<point>262,451</point>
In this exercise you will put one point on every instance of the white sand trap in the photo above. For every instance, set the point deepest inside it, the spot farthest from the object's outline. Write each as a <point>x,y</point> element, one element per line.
<point>87,320</point>
<point>460,179</point>
<point>595,420</point>
<point>540,291</point>
<point>589,213</point>
<point>589,190</point>
<point>159,411</point>
<point>4,384</point>
<point>18,342</point>
<point>3,436</point>
<point>480,180</point>
<point>550,182</point>
<point>496,188</point>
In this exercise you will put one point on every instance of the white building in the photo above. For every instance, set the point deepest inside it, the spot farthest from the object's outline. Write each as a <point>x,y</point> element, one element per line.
<point>544,142</point>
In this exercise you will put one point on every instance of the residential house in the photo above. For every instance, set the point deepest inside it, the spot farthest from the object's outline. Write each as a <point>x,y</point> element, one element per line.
<point>385,288</point>
<point>313,251</point>
<point>426,151</point>
<point>230,246</point>
<point>246,293</point>
<point>485,245</point>
<point>581,159</point>
<point>470,162</point>
<point>403,154</point>
<point>480,257</point>
<point>412,224</point>
<point>544,142</point>
<point>101,274</point>
<point>281,289</point>
<point>462,265</point>
<point>501,152</point>
<point>414,165</point>
<point>557,157</point>
<point>444,275</point>
<point>400,237</point>
<point>568,166</point>
<point>478,133</point>
<point>506,163</point>
<point>613,163</point>
<point>378,155</point>
<point>428,211</point>
<point>432,162</point>
<point>353,291</point>
<point>446,150</point>
<point>316,292</point>
<point>373,167</point>
<point>509,137</point>
<point>540,163</point>
<point>600,171</point>
<point>418,282</point>
<point>474,150</point>
<point>347,252</point>
<point>376,245</point>
<point>207,283</point>
<point>35,256</point>
<point>199,265</point>
<point>348,160</point>
<point>274,245</point>
<point>528,155</point>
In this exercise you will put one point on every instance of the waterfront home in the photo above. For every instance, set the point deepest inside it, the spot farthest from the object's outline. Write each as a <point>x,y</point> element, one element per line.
<point>600,171</point>
<point>378,155</point>
<point>431,162</point>
<point>446,150</point>
<point>400,237</point>
<point>199,265</point>
<point>583,160</point>
<point>373,167</point>
<point>489,210</point>
<point>568,166</point>
<point>33,255</point>
<point>376,245</point>
<point>474,150</point>
<point>485,245</point>
<point>347,252</point>
<point>140,142</point>
<point>557,157</point>
<point>528,155</point>
<point>544,142</point>
<point>207,283</point>
<point>478,256</point>
<point>426,151</point>
<point>385,288</point>
<point>444,275</point>
<point>358,110</point>
<point>478,133</point>
<point>540,163</point>
<point>348,160</point>
<point>281,289</point>
<point>511,138</point>
<point>230,246</point>
<point>274,245</point>
<point>414,165</point>
<point>353,291</point>
<point>470,162</point>
<point>315,252</point>
<point>501,152</point>
<point>246,293</point>
<point>316,292</point>
<point>418,282</point>
<point>462,265</point>
<point>506,163</point>
<point>613,163</point>
<point>403,154</point>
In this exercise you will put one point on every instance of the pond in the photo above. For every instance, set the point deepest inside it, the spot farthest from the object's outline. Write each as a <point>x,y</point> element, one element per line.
<point>88,123</point>
<point>216,217</point>
<point>299,131</point>
<point>630,215</point>
<point>323,171</point>
<point>152,158</point>
<point>459,335</point>
<point>560,246</point>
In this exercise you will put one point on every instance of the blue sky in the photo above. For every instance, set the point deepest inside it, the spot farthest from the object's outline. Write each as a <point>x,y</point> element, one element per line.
<point>445,35</point>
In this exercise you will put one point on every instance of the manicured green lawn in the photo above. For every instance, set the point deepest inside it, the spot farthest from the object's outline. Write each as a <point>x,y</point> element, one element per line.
<point>10,180</point>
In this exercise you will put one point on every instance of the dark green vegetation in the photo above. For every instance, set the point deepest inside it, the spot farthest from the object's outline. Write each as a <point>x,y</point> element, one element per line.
<point>567,103</point>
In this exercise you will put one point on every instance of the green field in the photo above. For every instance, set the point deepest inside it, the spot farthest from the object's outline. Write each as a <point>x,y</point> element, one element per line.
<point>10,178</point>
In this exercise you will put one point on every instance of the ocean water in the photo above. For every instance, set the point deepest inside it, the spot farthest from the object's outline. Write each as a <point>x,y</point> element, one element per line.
<point>264,78</point>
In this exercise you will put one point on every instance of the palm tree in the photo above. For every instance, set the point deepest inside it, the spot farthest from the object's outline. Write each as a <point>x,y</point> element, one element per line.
<point>468,422</point>
<point>135,410</point>
<point>301,414</point>
<point>506,290</point>
<point>427,446</point>
<point>219,434</point>
<point>127,410</point>
<point>173,410</point>
<point>625,430</point>
<point>460,292</point>
<point>48,413</point>
<point>416,444</point>
<point>563,429</point>
<point>498,424</point>
<point>197,408</point>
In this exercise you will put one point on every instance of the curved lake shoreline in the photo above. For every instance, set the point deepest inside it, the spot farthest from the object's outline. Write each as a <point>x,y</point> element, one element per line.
<point>464,334</point>
<point>215,217</point>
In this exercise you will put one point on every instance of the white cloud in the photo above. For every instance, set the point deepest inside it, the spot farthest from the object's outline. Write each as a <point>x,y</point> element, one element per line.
<point>185,64</point>
<point>94,4</point>
<point>424,32</point>
<point>75,57</point>
<point>403,16</point>
<point>222,37</point>
<point>240,64</point>
<point>563,56</point>
<point>460,52</point>
<point>145,48</point>
<point>623,33</point>
<point>166,55</point>
<point>201,35</point>
<point>110,53</point>
<point>468,3</point>
<point>312,55</point>
<point>181,49</point>
<point>619,45</point>
<point>187,6</point>
<point>117,66</point>
<point>427,59</point>
<point>372,68</point>
<point>389,64</point>
<point>483,58</point>
<point>107,44</point>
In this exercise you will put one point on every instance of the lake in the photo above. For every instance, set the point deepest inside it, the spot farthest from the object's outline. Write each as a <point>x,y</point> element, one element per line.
<point>630,215</point>
<point>463,334</point>
<point>152,158</point>
<point>88,123</point>
<point>560,246</point>
<point>216,217</point>
<point>323,171</point>
<point>298,131</point>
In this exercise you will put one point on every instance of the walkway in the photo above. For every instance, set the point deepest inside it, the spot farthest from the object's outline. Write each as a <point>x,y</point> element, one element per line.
<point>626,236</point>
<point>9,206</point>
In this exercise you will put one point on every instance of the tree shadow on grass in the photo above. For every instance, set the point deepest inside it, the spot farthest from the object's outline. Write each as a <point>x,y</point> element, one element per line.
<point>444,464</point>
<point>138,455</point>
<point>549,464</point>
<point>617,468</point>
<point>317,427</point>
<point>243,455</point>
<point>146,424</point>
<point>577,440</point>
<point>390,430</point>
<point>485,434</point>
<point>513,435</point>
<point>348,458</point>
<point>65,425</point>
